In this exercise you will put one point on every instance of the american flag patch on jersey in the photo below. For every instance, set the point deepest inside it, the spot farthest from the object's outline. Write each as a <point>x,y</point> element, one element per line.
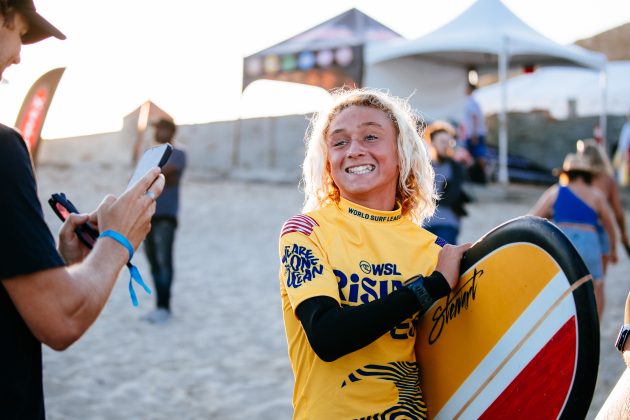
<point>300,223</point>
<point>441,242</point>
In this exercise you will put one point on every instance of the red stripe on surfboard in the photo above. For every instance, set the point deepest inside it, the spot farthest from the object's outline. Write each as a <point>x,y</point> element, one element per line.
<point>535,392</point>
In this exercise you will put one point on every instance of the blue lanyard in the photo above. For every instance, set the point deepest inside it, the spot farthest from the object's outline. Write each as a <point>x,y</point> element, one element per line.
<point>133,270</point>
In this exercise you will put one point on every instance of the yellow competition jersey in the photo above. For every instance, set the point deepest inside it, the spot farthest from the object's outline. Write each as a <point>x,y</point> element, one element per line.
<point>354,255</point>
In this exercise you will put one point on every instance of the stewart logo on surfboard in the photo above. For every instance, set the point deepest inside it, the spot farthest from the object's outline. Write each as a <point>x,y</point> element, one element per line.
<point>455,303</point>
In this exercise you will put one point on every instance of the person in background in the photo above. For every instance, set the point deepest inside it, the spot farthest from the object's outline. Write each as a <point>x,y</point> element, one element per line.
<point>621,158</point>
<point>449,181</point>
<point>623,340</point>
<point>604,180</point>
<point>158,245</point>
<point>617,405</point>
<point>598,135</point>
<point>356,268</point>
<point>576,207</point>
<point>474,129</point>
<point>47,295</point>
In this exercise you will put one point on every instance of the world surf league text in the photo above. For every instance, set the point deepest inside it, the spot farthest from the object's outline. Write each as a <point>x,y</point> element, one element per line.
<point>373,217</point>
<point>456,302</point>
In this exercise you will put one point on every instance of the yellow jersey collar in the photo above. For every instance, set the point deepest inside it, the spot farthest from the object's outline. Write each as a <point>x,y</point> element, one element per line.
<point>364,213</point>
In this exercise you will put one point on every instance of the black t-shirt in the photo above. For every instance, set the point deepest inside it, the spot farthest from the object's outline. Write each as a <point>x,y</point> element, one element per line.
<point>26,246</point>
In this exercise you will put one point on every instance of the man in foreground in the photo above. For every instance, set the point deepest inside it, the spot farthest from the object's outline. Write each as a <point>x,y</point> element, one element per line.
<point>49,296</point>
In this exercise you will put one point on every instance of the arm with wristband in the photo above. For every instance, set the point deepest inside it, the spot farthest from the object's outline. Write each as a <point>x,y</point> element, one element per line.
<point>334,331</point>
<point>60,304</point>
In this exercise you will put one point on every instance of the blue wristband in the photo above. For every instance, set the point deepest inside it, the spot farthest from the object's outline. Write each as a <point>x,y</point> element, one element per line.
<point>133,270</point>
<point>120,239</point>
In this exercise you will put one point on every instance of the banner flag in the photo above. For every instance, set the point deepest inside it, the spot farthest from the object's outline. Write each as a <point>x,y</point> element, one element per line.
<point>30,120</point>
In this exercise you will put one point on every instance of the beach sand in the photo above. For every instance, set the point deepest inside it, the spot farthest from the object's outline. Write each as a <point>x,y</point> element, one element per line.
<point>223,355</point>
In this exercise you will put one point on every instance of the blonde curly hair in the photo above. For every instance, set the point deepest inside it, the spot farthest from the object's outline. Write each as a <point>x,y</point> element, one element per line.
<point>416,188</point>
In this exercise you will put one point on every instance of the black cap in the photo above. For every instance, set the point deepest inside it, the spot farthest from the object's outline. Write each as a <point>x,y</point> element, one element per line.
<point>38,27</point>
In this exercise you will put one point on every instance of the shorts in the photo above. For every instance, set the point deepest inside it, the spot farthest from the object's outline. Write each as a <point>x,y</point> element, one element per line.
<point>479,149</point>
<point>586,243</point>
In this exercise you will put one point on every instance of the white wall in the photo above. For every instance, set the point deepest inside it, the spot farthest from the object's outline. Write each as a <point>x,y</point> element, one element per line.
<point>259,148</point>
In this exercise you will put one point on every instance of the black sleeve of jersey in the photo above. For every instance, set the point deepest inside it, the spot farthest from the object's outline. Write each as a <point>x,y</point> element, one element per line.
<point>25,240</point>
<point>334,331</point>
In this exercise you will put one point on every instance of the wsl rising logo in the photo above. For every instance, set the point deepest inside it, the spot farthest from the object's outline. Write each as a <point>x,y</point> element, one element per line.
<point>301,265</point>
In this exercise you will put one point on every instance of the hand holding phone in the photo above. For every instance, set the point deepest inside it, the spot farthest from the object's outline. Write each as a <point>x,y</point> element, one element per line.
<point>88,234</point>
<point>154,157</point>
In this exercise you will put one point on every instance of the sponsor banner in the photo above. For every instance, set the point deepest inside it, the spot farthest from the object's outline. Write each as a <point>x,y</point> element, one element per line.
<point>32,115</point>
<point>329,55</point>
<point>326,68</point>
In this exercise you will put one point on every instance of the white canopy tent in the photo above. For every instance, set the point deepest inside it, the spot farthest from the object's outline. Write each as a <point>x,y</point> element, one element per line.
<point>553,88</point>
<point>487,36</point>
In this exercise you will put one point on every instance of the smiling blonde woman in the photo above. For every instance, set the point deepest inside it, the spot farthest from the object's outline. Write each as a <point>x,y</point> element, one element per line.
<point>356,268</point>
<point>415,189</point>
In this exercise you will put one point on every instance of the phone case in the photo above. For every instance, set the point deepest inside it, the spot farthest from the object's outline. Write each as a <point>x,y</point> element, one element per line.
<point>62,207</point>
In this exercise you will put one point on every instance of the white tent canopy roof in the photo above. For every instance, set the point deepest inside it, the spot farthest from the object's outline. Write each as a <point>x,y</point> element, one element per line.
<point>486,36</point>
<point>551,88</point>
<point>475,38</point>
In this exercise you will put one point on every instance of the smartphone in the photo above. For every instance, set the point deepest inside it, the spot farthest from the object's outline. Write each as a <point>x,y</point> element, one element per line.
<point>155,156</point>
<point>62,207</point>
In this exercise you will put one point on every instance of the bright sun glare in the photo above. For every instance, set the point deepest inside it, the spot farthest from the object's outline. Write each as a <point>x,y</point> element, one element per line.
<point>187,57</point>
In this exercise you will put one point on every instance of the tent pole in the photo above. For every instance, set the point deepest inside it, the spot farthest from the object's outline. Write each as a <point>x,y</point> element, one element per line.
<point>236,143</point>
<point>603,86</point>
<point>503,140</point>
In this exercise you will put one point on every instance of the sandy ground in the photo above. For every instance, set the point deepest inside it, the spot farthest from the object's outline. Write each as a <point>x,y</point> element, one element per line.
<point>223,355</point>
